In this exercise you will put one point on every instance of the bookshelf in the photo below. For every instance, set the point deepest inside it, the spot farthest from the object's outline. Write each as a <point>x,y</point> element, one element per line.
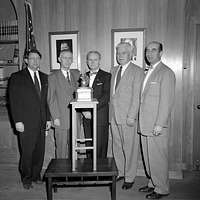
<point>9,55</point>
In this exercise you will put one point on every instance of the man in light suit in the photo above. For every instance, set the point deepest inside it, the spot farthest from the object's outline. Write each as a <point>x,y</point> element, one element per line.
<point>62,86</point>
<point>157,98</point>
<point>100,83</point>
<point>30,113</point>
<point>123,115</point>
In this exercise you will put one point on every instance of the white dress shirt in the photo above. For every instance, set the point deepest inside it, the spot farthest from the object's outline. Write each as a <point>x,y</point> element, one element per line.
<point>92,77</point>
<point>149,73</point>
<point>124,67</point>
<point>65,73</point>
<point>32,76</point>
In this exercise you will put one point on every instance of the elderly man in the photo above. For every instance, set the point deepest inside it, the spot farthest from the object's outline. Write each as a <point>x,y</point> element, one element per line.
<point>126,85</point>
<point>100,83</point>
<point>62,86</point>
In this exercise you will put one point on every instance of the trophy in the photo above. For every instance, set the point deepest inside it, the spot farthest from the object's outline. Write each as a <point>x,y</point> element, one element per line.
<point>84,80</point>
<point>84,92</point>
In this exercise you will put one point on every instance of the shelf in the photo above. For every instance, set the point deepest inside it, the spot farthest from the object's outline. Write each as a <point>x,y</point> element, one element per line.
<point>8,64</point>
<point>9,41</point>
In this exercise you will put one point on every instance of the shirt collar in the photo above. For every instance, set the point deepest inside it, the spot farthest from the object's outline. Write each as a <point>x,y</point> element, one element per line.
<point>94,72</point>
<point>125,66</point>
<point>32,72</point>
<point>156,64</point>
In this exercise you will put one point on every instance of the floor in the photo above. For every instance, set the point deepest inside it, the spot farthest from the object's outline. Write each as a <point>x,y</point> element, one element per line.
<point>11,189</point>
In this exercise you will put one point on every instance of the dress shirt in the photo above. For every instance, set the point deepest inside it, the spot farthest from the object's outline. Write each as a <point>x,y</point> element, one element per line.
<point>149,72</point>
<point>92,77</point>
<point>65,73</point>
<point>124,67</point>
<point>32,76</point>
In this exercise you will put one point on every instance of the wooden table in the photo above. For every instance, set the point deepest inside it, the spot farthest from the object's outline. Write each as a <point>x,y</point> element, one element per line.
<point>105,174</point>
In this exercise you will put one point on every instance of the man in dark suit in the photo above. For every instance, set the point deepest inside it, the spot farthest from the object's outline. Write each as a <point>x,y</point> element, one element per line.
<point>100,82</point>
<point>62,86</point>
<point>29,109</point>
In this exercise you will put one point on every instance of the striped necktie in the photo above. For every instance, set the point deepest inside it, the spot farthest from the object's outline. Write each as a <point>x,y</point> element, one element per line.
<point>118,77</point>
<point>37,85</point>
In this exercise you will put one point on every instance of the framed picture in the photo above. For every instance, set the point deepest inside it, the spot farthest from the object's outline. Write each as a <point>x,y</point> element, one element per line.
<point>136,37</point>
<point>64,40</point>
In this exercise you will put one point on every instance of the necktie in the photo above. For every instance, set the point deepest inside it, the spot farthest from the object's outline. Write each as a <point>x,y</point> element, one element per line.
<point>118,77</point>
<point>68,77</point>
<point>37,85</point>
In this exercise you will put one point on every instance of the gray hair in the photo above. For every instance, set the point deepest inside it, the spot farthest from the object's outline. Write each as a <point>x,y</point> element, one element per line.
<point>127,45</point>
<point>96,52</point>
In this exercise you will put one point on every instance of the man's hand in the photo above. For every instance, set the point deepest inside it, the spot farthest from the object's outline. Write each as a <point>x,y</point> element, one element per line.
<point>157,130</point>
<point>56,122</point>
<point>19,127</point>
<point>87,114</point>
<point>48,125</point>
<point>130,122</point>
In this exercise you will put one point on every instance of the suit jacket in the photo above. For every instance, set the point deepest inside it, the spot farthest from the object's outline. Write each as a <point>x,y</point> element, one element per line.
<point>125,101</point>
<point>25,103</point>
<point>60,94</point>
<point>157,99</point>
<point>101,91</point>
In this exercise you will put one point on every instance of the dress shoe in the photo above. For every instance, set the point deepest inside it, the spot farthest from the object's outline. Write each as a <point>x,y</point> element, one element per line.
<point>119,178</point>
<point>127,185</point>
<point>38,181</point>
<point>146,189</point>
<point>155,195</point>
<point>27,186</point>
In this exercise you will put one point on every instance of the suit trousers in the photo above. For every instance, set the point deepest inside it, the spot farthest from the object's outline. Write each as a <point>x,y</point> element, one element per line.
<point>155,150</point>
<point>32,148</point>
<point>63,143</point>
<point>102,138</point>
<point>125,144</point>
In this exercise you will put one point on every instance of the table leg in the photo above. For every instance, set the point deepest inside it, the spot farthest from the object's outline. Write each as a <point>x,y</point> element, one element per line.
<point>49,188</point>
<point>113,188</point>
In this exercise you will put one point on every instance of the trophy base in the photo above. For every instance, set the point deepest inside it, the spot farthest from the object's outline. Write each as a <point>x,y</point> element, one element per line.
<point>84,94</point>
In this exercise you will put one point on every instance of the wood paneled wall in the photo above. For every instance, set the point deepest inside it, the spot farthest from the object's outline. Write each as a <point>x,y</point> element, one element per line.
<point>94,19</point>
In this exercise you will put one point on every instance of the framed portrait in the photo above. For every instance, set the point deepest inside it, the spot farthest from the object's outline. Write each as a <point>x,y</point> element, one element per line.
<point>134,36</point>
<point>64,40</point>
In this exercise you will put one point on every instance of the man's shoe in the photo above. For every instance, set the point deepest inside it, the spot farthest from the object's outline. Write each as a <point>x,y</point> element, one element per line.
<point>146,189</point>
<point>27,186</point>
<point>119,178</point>
<point>127,185</point>
<point>38,181</point>
<point>155,195</point>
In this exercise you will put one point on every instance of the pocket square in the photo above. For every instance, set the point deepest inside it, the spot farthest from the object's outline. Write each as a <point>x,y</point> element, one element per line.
<point>99,83</point>
<point>153,82</point>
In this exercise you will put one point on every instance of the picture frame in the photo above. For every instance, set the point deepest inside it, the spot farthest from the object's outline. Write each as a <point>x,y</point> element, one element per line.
<point>64,40</point>
<point>136,37</point>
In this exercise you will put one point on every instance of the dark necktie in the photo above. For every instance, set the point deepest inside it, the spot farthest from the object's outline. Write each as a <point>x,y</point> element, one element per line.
<point>37,85</point>
<point>118,77</point>
<point>68,78</point>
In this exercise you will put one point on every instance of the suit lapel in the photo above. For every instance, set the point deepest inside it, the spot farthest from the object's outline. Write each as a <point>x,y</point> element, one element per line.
<point>64,83</point>
<point>96,80</point>
<point>115,69</point>
<point>124,77</point>
<point>29,81</point>
<point>151,78</point>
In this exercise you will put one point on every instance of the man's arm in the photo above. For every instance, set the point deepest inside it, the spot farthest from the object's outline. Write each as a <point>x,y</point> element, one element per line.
<point>135,101</point>
<point>105,98</point>
<point>167,93</point>
<point>52,100</point>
